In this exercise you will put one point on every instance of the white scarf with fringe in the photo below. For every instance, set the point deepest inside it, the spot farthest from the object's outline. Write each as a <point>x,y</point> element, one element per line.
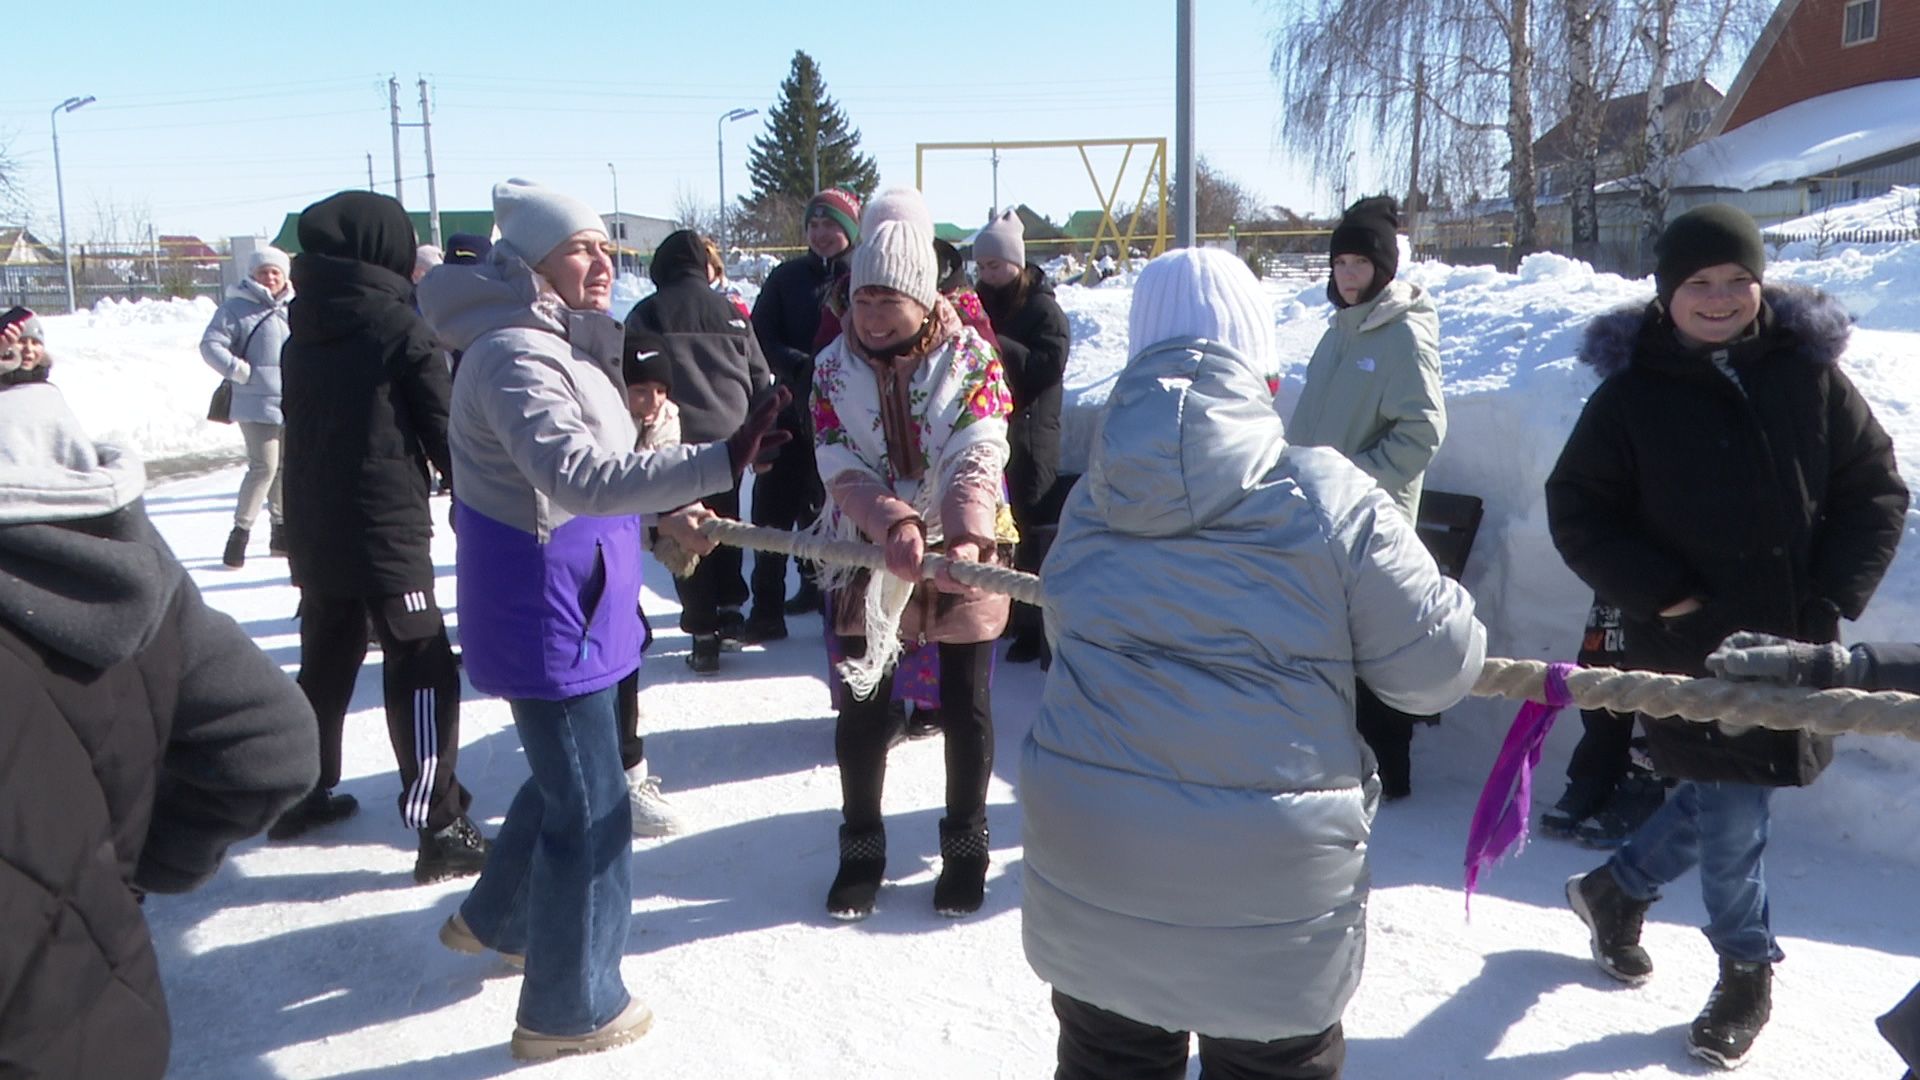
<point>959,404</point>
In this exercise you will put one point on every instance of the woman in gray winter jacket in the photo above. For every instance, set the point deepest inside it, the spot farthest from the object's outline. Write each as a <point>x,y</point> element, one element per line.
<point>243,343</point>
<point>1197,799</point>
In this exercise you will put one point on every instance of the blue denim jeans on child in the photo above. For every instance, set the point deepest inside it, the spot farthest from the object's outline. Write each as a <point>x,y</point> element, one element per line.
<point>1722,828</point>
<point>562,855</point>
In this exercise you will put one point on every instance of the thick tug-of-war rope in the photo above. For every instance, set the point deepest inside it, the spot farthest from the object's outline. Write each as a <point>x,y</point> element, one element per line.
<point>1826,712</point>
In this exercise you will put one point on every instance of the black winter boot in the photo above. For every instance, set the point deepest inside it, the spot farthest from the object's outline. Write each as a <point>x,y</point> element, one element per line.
<point>277,540</point>
<point>805,601</point>
<point>455,851</point>
<point>235,556</point>
<point>319,807</point>
<point>863,865</point>
<point>1583,798</point>
<point>1613,919</point>
<point>963,871</point>
<point>705,657</point>
<point>1741,1003</point>
<point>1638,795</point>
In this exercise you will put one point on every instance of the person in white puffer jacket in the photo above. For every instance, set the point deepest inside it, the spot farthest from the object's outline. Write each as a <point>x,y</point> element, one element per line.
<point>1197,799</point>
<point>243,344</point>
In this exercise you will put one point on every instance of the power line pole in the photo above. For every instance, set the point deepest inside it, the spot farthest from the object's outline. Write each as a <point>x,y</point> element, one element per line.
<point>393,102</point>
<point>433,194</point>
<point>995,212</point>
<point>370,186</point>
<point>1184,210</point>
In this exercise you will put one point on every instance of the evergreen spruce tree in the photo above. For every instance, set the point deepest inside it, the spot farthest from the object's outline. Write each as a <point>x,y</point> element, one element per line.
<point>802,123</point>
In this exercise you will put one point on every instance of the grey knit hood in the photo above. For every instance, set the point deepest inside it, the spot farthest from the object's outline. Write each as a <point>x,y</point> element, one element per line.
<point>82,570</point>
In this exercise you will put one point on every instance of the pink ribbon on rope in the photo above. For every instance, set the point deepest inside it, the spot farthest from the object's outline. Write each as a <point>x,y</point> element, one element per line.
<point>1500,819</point>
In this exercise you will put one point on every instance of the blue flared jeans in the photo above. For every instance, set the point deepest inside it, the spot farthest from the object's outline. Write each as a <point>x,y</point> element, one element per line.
<point>1722,828</point>
<point>557,885</point>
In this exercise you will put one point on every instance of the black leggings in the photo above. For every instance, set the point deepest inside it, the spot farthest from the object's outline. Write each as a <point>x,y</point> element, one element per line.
<point>1099,1045</point>
<point>966,715</point>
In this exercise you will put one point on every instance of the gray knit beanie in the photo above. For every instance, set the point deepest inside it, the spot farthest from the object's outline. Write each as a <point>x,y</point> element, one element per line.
<point>1005,239</point>
<point>31,330</point>
<point>268,256</point>
<point>899,256</point>
<point>533,219</point>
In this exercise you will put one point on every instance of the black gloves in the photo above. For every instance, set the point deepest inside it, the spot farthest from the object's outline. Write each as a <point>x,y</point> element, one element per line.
<point>758,440</point>
<point>1751,657</point>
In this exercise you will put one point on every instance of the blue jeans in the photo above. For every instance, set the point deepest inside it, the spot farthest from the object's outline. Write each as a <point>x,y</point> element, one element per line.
<point>556,886</point>
<point>1722,827</point>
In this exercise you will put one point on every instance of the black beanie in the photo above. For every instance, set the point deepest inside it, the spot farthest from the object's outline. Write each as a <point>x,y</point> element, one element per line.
<point>1706,236</point>
<point>1370,228</point>
<point>643,358</point>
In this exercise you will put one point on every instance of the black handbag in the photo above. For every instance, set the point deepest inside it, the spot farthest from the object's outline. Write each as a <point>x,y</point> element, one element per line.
<point>220,406</point>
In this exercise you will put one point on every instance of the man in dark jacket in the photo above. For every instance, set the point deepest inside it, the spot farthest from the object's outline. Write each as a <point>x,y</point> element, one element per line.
<point>785,319</point>
<point>1725,475</point>
<point>143,734</point>
<point>1034,339</point>
<point>365,398</point>
<point>718,369</point>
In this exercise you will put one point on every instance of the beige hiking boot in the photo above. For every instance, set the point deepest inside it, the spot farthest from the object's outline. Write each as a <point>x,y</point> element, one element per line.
<point>632,1023</point>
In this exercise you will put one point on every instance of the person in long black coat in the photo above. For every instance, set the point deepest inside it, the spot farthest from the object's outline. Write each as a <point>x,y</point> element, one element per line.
<point>1724,476</point>
<point>785,319</point>
<point>1034,340</point>
<point>365,395</point>
<point>143,734</point>
<point>718,371</point>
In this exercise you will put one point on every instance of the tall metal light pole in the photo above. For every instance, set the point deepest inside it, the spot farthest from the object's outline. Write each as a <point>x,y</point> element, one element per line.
<point>720,134</point>
<point>60,190</point>
<point>619,250</point>
<point>1184,209</point>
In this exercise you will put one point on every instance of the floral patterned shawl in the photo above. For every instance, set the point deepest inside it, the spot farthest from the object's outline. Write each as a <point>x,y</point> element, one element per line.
<point>958,404</point>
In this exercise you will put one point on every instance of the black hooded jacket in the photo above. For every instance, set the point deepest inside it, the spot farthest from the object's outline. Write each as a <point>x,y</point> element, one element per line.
<point>1034,339</point>
<point>365,398</point>
<point>1774,500</point>
<point>717,363</point>
<point>141,733</point>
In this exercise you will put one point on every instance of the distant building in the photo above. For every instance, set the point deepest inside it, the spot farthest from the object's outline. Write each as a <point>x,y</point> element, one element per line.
<point>636,236</point>
<point>1689,109</point>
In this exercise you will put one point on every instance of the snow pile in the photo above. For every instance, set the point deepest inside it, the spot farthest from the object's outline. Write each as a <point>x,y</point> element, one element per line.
<point>133,374</point>
<point>1807,138</point>
<point>1897,209</point>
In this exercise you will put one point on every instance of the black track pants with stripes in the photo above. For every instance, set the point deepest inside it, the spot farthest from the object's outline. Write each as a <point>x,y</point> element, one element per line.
<point>422,685</point>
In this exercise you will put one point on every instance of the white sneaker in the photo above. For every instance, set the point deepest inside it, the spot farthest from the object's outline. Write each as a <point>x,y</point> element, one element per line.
<point>652,814</point>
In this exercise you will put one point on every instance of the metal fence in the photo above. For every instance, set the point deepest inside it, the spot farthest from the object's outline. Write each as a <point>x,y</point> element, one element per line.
<point>118,275</point>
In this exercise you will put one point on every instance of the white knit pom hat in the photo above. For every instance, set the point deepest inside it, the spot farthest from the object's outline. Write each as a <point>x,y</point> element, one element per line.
<point>1202,293</point>
<point>897,204</point>
<point>897,255</point>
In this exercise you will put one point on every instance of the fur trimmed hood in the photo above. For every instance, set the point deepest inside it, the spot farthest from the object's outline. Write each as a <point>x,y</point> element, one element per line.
<point>1817,324</point>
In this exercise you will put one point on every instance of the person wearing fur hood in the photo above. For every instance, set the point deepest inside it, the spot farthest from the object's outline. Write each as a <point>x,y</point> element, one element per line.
<point>910,417</point>
<point>1724,476</point>
<point>1373,393</point>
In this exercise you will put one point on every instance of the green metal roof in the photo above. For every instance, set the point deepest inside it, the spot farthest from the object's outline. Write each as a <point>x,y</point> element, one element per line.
<point>478,222</point>
<point>951,233</point>
<point>1082,224</point>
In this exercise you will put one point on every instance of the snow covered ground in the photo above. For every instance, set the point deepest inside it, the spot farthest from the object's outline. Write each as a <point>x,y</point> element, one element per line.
<point>318,958</point>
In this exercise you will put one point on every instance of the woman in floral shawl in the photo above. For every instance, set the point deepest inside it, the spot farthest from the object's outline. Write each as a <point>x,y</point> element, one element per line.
<point>910,417</point>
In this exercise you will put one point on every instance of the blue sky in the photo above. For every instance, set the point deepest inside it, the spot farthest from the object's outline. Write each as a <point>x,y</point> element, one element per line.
<point>220,118</point>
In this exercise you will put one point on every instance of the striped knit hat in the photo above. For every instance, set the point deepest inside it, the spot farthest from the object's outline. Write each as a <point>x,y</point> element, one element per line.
<point>842,207</point>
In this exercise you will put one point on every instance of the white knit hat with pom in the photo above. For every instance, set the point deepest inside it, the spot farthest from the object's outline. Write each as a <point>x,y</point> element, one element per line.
<point>897,255</point>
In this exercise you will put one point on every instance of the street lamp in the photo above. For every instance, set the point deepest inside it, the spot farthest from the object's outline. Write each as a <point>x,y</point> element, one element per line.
<point>60,190</point>
<point>618,253</point>
<point>720,132</point>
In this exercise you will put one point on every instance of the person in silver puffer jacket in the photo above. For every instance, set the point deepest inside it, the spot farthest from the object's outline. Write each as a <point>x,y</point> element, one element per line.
<point>1197,799</point>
